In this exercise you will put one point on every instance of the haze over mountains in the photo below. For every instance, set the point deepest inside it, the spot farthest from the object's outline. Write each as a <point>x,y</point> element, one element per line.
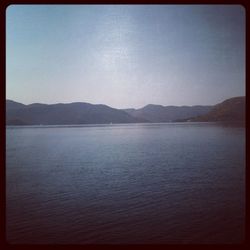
<point>159,113</point>
<point>232,109</point>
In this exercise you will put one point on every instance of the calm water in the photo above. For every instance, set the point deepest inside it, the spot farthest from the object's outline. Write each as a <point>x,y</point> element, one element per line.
<point>139,183</point>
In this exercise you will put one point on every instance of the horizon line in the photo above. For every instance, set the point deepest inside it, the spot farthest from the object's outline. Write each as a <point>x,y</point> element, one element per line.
<point>124,108</point>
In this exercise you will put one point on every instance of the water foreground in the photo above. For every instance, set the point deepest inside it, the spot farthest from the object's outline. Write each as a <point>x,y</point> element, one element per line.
<point>128,183</point>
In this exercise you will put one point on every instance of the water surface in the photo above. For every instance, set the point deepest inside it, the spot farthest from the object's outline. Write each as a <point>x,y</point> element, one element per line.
<point>131,183</point>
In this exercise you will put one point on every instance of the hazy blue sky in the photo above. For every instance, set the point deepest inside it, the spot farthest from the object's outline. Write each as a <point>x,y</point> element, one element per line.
<point>125,55</point>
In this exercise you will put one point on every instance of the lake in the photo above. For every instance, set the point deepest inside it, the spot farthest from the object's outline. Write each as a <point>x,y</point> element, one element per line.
<point>172,183</point>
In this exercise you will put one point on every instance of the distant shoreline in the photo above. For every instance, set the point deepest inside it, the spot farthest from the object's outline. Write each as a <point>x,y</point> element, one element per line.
<point>230,110</point>
<point>122,124</point>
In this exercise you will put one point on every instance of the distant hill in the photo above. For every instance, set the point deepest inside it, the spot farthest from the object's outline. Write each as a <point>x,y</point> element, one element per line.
<point>158,113</point>
<point>230,110</point>
<point>63,114</point>
<point>13,105</point>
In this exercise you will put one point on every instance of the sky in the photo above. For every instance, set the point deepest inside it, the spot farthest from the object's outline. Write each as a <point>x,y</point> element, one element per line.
<point>125,56</point>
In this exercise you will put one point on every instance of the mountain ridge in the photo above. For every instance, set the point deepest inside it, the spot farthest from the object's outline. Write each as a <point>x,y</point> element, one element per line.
<point>232,109</point>
<point>87,113</point>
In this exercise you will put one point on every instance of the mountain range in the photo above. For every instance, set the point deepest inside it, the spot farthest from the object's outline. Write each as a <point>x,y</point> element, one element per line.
<point>232,109</point>
<point>159,113</point>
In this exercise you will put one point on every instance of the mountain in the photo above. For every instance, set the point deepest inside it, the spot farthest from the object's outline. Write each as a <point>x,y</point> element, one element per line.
<point>158,113</point>
<point>57,114</point>
<point>13,105</point>
<point>232,109</point>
